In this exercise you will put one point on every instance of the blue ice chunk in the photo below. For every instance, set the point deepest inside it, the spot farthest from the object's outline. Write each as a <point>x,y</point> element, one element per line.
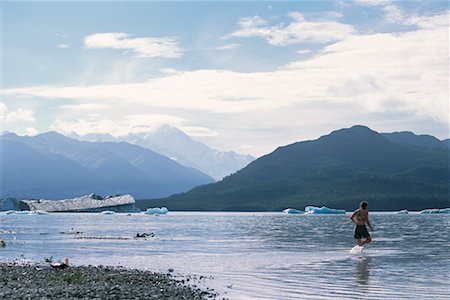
<point>108,212</point>
<point>436,211</point>
<point>402,212</point>
<point>313,210</point>
<point>156,211</point>
<point>292,211</point>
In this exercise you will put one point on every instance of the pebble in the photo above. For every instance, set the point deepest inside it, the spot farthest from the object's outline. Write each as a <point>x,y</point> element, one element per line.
<point>89,282</point>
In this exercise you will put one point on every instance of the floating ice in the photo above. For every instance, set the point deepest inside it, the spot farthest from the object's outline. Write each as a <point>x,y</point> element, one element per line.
<point>89,203</point>
<point>402,212</point>
<point>292,211</point>
<point>156,211</point>
<point>26,212</point>
<point>313,210</point>
<point>436,211</point>
<point>108,212</point>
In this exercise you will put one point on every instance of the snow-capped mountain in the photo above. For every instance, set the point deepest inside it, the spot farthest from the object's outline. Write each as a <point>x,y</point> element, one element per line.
<point>178,146</point>
<point>53,166</point>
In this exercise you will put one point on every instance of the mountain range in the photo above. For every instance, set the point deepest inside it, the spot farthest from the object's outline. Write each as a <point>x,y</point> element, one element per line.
<point>53,166</point>
<point>175,144</point>
<point>391,170</point>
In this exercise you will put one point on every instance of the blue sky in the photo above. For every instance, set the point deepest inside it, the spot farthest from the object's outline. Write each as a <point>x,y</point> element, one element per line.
<point>243,76</point>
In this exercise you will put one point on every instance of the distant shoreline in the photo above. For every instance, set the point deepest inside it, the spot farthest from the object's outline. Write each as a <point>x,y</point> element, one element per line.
<point>34,281</point>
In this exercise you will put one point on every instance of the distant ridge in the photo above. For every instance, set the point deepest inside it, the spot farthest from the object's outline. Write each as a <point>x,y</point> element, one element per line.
<point>391,171</point>
<point>53,166</point>
<point>409,138</point>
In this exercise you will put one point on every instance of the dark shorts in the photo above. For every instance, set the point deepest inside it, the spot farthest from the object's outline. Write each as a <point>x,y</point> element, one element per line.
<point>361,231</point>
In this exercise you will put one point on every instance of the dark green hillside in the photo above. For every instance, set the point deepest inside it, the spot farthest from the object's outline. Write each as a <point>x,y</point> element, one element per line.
<point>337,170</point>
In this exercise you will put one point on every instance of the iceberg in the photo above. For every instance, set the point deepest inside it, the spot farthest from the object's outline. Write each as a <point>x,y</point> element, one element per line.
<point>292,211</point>
<point>156,211</point>
<point>108,212</point>
<point>313,210</point>
<point>89,203</point>
<point>402,212</point>
<point>436,211</point>
<point>26,212</point>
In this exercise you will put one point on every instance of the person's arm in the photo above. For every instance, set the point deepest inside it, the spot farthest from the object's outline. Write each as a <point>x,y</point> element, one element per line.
<point>353,216</point>
<point>368,222</point>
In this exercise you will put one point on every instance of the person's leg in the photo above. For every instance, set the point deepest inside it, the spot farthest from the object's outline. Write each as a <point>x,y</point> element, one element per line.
<point>358,236</point>
<point>367,240</point>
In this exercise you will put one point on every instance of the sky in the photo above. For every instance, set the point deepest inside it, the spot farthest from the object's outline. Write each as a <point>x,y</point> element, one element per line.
<point>241,76</point>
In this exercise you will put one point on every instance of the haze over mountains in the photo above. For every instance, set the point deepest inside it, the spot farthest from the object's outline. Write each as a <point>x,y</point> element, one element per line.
<point>175,144</point>
<point>391,170</point>
<point>52,166</point>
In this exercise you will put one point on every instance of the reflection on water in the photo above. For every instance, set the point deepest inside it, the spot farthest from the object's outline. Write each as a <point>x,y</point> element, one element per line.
<point>252,255</point>
<point>362,270</point>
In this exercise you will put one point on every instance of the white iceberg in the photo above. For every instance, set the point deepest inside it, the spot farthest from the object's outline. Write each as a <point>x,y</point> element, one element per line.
<point>402,212</point>
<point>156,211</point>
<point>26,212</point>
<point>313,210</point>
<point>89,203</point>
<point>436,211</point>
<point>108,212</point>
<point>292,211</point>
<point>22,212</point>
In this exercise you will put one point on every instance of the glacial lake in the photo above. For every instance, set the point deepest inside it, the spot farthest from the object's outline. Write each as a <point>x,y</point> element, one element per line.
<point>252,255</point>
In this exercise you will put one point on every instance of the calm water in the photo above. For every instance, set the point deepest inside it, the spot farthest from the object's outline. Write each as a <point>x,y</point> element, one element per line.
<point>254,255</point>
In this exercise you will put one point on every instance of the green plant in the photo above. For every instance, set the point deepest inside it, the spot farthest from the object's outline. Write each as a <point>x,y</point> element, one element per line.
<point>73,278</point>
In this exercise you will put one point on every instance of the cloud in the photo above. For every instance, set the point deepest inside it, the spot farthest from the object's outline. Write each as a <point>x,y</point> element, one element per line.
<point>304,51</point>
<point>143,47</point>
<point>31,131</point>
<point>228,47</point>
<point>400,74</point>
<point>298,31</point>
<point>197,131</point>
<point>84,106</point>
<point>12,116</point>
<point>63,46</point>
<point>137,123</point>
<point>393,14</point>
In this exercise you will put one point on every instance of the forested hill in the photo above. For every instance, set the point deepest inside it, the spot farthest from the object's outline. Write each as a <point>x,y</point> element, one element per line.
<point>391,171</point>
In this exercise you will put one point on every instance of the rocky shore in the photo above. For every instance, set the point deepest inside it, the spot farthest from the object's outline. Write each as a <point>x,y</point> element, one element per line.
<point>32,281</point>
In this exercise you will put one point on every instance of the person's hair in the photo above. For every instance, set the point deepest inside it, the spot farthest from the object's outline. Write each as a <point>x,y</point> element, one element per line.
<point>363,204</point>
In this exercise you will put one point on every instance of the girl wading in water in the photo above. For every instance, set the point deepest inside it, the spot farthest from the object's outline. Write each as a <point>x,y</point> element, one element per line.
<point>361,217</point>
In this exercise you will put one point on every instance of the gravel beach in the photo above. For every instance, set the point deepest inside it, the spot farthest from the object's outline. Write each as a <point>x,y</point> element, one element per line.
<point>89,282</point>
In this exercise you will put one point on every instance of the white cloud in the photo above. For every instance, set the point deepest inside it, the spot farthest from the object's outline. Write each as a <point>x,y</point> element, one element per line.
<point>138,123</point>
<point>197,131</point>
<point>304,51</point>
<point>393,14</point>
<point>84,106</point>
<point>12,116</point>
<point>63,46</point>
<point>143,47</point>
<point>403,75</point>
<point>31,131</point>
<point>374,2</point>
<point>228,47</point>
<point>298,31</point>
